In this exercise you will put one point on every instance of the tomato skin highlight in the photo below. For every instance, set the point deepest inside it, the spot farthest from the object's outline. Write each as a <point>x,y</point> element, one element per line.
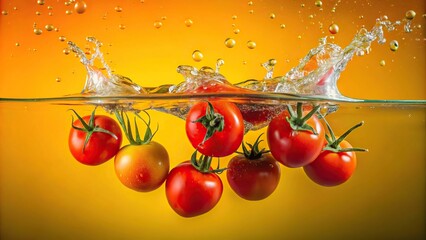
<point>143,167</point>
<point>222,143</point>
<point>101,146</point>
<point>294,148</point>
<point>332,168</point>
<point>253,179</point>
<point>190,192</point>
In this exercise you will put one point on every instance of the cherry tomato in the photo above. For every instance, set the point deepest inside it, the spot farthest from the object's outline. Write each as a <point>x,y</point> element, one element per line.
<point>223,125</point>
<point>101,146</point>
<point>142,167</point>
<point>253,179</point>
<point>190,192</point>
<point>332,168</point>
<point>295,148</point>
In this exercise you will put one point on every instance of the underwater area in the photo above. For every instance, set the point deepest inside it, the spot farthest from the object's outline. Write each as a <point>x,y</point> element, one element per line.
<point>358,60</point>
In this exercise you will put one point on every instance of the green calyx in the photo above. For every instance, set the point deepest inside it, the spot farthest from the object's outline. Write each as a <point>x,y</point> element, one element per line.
<point>253,153</point>
<point>297,121</point>
<point>125,124</point>
<point>212,121</point>
<point>333,143</point>
<point>89,127</point>
<point>203,164</point>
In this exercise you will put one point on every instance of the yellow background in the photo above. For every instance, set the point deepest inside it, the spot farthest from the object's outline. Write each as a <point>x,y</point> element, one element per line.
<point>46,194</point>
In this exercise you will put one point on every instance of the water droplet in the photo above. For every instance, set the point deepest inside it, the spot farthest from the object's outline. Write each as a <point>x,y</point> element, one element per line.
<point>118,9</point>
<point>158,24</point>
<point>302,5</point>
<point>122,26</point>
<point>299,37</point>
<point>49,27</point>
<point>17,44</point>
<point>250,3</point>
<point>220,62</point>
<point>237,30</point>
<point>382,63</point>
<point>66,51</point>
<point>311,16</point>
<point>410,15</point>
<point>68,12</point>
<point>38,13</point>
<point>394,45</point>
<point>4,12</point>
<point>333,28</point>
<point>67,3</point>
<point>272,62</point>
<point>40,2</point>
<point>80,7</point>
<point>62,38</point>
<point>188,22</point>
<point>251,44</point>
<point>282,26</point>
<point>361,17</point>
<point>272,16</point>
<point>49,7</point>
<point>164,18</point>
<point>197,56</point>
<point>318,3</point>
<point>38,31</point>
<point>15,8</point>
<point>234,17</point>
<point>230,43</point>
<point>58,79</point>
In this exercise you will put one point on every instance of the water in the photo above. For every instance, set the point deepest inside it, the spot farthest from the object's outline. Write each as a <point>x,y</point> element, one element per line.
<point>46,194</point>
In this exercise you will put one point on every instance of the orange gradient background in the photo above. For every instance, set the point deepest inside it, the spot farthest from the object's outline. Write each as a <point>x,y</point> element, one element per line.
<point>46,194</point>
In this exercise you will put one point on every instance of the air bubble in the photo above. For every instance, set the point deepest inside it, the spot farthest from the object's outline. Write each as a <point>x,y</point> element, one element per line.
<point>382,63</point>
<point>250,3</point>
<point>58,79</point>
<point>230,43</point>
<point>38,13</point>
<point>4,12</point>
<point>49,8</point>
<point>122,26</point>
<point>234,17</point>
<point>68,12</point>
<point>272,16</point>
<point>66,51</point>
<point>62,38</point>
<point>251,11</point>
<point>394,45</point>
<point>197,56</point>
<point>282,26</point>
<point>17,44</point>
<point>80,7</point>
<point>40,2</point>
<point>236,30</point>
<point>251,44</point>
<point>333,28</point>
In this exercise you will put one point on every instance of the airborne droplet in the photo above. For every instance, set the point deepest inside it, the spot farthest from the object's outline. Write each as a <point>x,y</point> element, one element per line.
<point>230,43</point>
<point>251,45</point>
<point>318,3</point>
<point>197,56</point>
<point>158,24</point>
<point>40,2</point>
<point>394,45</point>
<point>118,9</point>
<point>80,7</point>
<point>333,28</point>
<point>410,15</point>
<point>188,22</point>
<point>38,31</point>
<point>4,12</point>
<point>382,63</point>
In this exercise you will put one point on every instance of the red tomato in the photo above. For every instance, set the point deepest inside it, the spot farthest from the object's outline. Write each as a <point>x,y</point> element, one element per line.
<point>222,142</point>
<point>190,192</point>
<point>295,148</point>
<point>142,167</point>
<point>332,168</point>
<point>101,146</point>
<point>253,179</point>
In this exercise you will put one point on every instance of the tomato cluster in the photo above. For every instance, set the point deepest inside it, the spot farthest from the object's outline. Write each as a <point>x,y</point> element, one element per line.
<point>215,129</point>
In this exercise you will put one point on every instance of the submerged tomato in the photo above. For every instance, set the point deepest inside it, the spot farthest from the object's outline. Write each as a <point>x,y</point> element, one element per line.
<point>222,142</point>
<point>190,192</point>
<point>295,148</point>
<point>101,146</point>
<point>332,168</point>
<point>253,179</point>
<point>142,167</point>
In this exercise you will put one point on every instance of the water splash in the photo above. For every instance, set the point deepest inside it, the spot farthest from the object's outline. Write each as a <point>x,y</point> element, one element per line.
<point>97,83</point>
